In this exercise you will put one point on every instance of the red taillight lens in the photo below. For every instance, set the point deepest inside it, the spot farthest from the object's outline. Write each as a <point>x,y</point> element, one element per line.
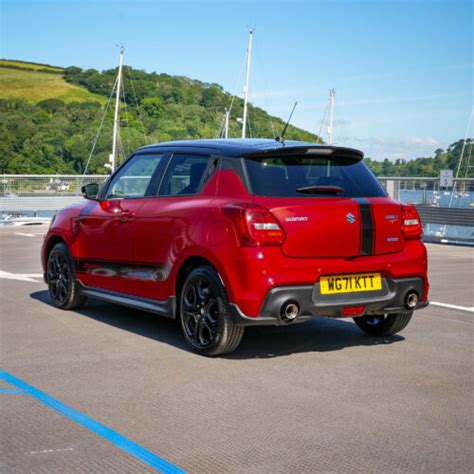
<point>411,223</point>
<point>256,225</point>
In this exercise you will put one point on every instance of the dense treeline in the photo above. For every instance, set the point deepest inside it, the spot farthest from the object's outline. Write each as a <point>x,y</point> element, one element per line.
<point>429,166</point>
<point>176,107</point>
<point>52,136</point>
<point>56,137</point>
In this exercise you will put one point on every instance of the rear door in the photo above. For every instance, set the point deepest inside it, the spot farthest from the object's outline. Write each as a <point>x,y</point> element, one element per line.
<point>329,206</point>
<point>167,222</point>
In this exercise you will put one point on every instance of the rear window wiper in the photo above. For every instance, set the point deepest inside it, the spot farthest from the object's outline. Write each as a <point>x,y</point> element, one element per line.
<point>319,190</point>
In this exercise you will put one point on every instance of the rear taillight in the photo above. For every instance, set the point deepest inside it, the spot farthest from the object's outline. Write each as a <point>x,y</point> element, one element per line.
<point>411,223</point>
<point>255,225</point>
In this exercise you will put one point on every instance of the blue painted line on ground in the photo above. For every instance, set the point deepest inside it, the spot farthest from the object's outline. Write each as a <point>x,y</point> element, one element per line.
<point>117,439</point>
<point>12,391</point>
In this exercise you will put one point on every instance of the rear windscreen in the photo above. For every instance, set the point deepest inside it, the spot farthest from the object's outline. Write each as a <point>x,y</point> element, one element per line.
<point>283,176</point>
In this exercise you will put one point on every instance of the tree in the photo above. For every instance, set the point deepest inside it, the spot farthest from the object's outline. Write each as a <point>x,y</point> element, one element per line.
<point>56,137</point>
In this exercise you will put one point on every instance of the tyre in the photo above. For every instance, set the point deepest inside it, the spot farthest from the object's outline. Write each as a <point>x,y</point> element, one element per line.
<point>62,284</point>
<point>383,324</point>
<point>204,314</point>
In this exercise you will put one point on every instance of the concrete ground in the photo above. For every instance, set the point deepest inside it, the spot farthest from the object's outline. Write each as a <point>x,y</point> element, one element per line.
<point>316,397</point>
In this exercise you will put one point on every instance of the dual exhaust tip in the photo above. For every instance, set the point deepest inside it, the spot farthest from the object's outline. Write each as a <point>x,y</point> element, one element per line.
<point>411,300</point>
<point>290,310</point>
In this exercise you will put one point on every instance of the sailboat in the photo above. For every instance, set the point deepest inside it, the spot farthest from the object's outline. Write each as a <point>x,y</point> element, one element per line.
<point>329,107</point>
<point>115,137</point>
<point>224,132</point>
<point>117,88</point>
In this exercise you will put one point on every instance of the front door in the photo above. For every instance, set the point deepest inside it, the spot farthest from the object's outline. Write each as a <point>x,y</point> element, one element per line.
<point>106,232</point>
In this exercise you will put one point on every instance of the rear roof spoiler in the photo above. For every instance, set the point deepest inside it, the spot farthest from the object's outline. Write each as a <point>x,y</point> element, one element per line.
<point>311,150</point>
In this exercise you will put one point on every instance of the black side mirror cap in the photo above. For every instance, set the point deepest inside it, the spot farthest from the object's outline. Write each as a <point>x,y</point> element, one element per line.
<point>90,191</point>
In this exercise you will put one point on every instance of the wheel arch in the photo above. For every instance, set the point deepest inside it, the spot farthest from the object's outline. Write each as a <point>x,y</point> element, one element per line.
<point>188,265</point>
<point>50,243</point>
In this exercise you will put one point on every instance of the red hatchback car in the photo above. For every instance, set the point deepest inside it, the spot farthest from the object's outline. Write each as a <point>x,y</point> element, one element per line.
<point>224,234</point>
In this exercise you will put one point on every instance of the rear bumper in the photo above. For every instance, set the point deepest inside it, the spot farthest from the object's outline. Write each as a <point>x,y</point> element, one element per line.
<point>252,272</point>
<point>390,299</point>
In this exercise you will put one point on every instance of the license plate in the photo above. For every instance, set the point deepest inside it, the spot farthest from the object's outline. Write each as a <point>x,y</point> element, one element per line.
<point>330,285</point>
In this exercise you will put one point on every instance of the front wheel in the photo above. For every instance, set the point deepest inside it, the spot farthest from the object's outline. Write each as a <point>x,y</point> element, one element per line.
<point>61,273</point>
<point>205,316</point>
<point>383,324</point>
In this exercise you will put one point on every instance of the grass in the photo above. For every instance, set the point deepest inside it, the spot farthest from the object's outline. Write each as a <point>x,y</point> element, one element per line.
<point>37,86</point>
<point>29,66</point>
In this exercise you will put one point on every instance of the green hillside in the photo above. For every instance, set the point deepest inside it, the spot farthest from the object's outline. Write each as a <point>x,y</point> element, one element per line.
<point>49,116</point>
<point>29,66</point>
<point>25,81</point>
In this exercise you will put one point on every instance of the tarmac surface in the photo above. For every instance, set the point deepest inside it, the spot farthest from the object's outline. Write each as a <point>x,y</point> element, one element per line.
<point>109,389</point>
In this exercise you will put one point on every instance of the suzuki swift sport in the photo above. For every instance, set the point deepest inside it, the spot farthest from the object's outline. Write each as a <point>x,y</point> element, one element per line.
<point>224,234</point>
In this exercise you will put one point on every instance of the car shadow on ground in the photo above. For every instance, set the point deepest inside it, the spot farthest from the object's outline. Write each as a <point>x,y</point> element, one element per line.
<point>317,335</point>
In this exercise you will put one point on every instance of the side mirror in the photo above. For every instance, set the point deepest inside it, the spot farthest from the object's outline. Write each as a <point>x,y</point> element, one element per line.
<point>90,191</point>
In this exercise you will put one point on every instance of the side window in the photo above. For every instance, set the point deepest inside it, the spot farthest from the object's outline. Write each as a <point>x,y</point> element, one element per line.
<point>133,179</point>
<point>184,175</point>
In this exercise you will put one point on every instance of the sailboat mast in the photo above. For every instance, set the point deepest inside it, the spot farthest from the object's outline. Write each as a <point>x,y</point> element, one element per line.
<point>332,94</point>
<point>115,138</point>
<point>226,123</point>
<point>247,82</point>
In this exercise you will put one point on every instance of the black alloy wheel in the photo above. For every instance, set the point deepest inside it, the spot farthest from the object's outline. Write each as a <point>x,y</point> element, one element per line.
<point>200,312</point>
<point>205,314</point>
<point>60,275</point>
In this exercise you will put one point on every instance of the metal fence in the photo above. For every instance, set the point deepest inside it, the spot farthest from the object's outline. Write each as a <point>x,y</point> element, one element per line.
<point>428,187</point>
<point>447,214</point>
<point>41,195</point>
<point>16,185</point>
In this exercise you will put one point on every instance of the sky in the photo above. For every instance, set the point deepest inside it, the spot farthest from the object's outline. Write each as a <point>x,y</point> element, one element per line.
<point>402,70</point>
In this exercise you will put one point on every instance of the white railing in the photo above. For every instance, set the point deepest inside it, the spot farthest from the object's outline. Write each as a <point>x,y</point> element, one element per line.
<point>42,195</point>
<point>15,185</point>
<point>396,186</point>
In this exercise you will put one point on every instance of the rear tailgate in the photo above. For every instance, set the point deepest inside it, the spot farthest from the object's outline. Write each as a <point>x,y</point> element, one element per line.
<point>329,206</point>
<point>337,227</point>
<point>325,228</point>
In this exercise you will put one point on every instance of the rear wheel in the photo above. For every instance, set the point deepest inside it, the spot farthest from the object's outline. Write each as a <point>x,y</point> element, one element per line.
<point>204,314</point>
<point>383,324</point>
<point>63,287</point>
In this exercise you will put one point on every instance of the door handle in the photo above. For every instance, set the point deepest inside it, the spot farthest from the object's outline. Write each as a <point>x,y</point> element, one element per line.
<point>76,222</point>
<point>126,216</point>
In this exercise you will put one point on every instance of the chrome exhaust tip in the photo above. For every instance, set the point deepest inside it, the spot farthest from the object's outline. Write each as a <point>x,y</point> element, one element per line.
<point>411,300</point>
<point>289,311</point>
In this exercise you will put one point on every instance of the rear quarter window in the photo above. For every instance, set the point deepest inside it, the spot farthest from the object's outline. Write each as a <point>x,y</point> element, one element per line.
<point>281,176</point>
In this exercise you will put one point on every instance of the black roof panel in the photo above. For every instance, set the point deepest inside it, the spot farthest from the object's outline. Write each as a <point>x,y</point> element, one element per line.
<point>239,147</point>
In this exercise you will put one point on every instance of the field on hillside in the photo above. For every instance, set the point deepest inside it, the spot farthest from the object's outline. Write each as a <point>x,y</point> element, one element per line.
<point>36,86</point>
<point>30,66</point>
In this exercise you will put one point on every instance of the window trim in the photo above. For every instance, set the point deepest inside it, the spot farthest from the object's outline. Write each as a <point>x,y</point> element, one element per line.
<point>212,159</point>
